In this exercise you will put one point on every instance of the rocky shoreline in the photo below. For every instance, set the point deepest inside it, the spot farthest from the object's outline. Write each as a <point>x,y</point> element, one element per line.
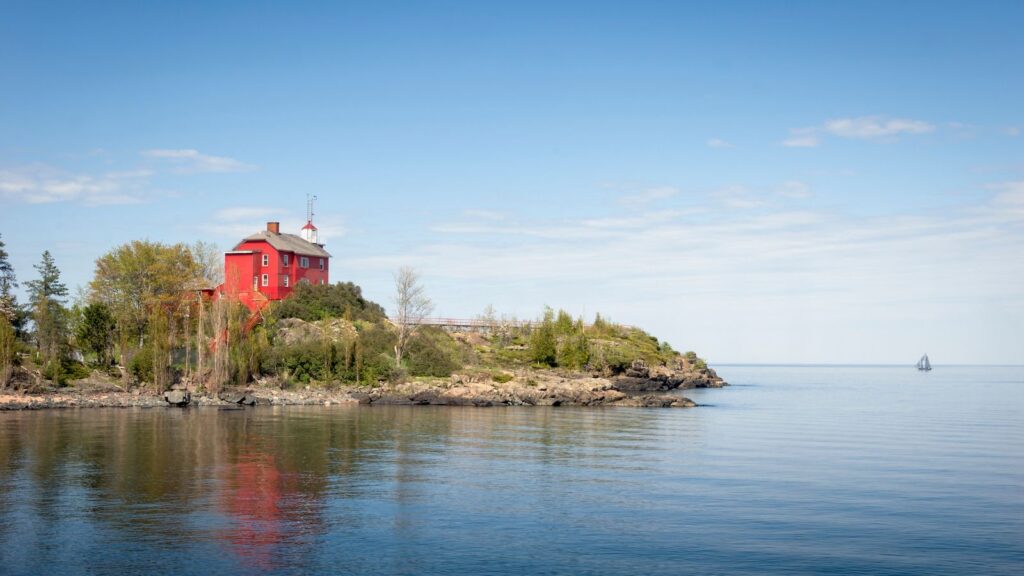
<point>637,387</point>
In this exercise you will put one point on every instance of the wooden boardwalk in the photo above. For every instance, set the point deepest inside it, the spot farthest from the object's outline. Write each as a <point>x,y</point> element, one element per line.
<point>469,324</point>
<point>481,324</point>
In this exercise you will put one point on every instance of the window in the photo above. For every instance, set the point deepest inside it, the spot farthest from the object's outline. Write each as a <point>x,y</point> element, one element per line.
<point>266,261</point>
<point>284,260</point>
<point>255,282</point>
<point>321,263</point>
<point>266,279</point>
<point>304,262</point>
<point>285,277</point>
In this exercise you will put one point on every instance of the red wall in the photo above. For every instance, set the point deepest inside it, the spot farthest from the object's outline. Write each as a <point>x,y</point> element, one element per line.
<point>239,270</point>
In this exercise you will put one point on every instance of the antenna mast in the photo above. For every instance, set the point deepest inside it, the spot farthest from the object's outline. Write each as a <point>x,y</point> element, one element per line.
<point>309,207</point>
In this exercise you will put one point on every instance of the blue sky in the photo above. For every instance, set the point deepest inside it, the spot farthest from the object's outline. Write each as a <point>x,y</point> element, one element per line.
<point>787,182</point>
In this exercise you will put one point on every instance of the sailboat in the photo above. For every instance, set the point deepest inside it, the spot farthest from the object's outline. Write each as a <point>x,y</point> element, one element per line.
<point>923,364</point>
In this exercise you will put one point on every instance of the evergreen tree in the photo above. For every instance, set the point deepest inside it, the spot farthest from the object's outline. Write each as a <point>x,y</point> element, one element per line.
<point>8,352</point>
<point>46,297</point>
<point>95,331</point>
<point>8,282</point>
<point>543,342</point>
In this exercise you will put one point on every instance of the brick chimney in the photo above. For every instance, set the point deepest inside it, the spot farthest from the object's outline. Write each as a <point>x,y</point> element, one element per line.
<point>274,227</point>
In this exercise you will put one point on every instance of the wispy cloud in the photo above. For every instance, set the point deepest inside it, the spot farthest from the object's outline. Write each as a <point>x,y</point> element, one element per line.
<point>488,215</point>
<point>236,222</point>
<point>738,197</point>
<point>750,256</point>
<point>802,138</point>
<point>644,197</point>
<point>43,184</point>
<point>870,127</point>
<point>795,189</point>
<point>859,128</point>
<point>719,143</point>
<point>192,161</point>
<point>1008,203</point>
<point>236,213</point>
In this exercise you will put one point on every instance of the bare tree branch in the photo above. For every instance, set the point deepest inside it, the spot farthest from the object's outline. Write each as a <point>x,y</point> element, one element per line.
<point>411,306</point>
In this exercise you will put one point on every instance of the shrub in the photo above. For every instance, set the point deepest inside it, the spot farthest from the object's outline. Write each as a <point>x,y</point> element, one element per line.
<point>611,358</point>
<point>432,352</point>
<point>341,300</point>
<point>574,353</point>
<point>62,370</point>
<point>141,364</point>
<point>502,377</point>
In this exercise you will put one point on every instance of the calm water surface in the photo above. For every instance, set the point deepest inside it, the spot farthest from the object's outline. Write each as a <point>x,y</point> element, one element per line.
<point>853,470</point>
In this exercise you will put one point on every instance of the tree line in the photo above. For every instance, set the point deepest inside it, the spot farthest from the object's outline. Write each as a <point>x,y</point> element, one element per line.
<point>147,318</point>
<point>135,315</point>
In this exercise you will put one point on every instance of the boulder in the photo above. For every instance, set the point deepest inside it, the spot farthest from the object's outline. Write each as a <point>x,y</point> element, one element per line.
<point>178,397</point>
<point>427,397</point>
<point>638,369</point>
<point>360,397</point>
<point>232,396</point>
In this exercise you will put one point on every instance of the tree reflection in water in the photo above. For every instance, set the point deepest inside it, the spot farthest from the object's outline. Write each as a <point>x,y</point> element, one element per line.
<point>297,489</point>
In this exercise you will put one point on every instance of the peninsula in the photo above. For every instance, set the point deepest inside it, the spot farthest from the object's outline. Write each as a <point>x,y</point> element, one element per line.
<point>183,325</point>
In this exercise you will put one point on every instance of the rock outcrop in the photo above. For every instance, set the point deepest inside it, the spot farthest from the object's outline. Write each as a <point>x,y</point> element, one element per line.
<point>292,331</point>
<point>179,398</point>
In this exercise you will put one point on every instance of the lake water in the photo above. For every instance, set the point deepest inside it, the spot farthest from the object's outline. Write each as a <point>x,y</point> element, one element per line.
<point>844,470</point>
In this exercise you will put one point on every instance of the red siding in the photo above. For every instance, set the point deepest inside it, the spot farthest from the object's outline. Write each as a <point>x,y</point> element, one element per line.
<point>239,270</point>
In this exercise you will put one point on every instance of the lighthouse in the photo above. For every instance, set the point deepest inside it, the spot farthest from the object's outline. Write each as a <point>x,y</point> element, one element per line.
<point>309,231</point>
<point>269,264</point>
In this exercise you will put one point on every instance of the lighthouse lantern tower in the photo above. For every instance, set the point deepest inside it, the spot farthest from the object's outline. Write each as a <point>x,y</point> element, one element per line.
<point>309,231</point>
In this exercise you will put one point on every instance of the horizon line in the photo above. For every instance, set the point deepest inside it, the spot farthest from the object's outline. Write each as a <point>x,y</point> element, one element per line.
<point>858,365</point>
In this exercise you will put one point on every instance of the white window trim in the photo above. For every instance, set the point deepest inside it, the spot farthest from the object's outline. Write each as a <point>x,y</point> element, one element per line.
<point>284,260</point>
<point>321,263</point>
<point>255,282</point>
<point>266,261</point>
<point>304,262</point>
<point>266,279</point>
<point>285,281</point>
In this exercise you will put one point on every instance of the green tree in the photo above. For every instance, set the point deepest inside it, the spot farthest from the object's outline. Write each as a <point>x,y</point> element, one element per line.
<point>95,331</point>
<point>8,355</point>
<point>8,282</point>
<point>563,324</point>
<point>311,302</point>
<point>47,296</point>
<point>137,279</point>
<point>543,343</point>
<point>574,351</point>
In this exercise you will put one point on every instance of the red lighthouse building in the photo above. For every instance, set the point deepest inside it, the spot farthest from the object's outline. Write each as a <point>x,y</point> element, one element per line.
<point>268,265</point>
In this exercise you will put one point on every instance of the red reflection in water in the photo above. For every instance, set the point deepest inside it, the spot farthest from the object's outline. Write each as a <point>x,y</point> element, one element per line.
<point>253,499</point>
